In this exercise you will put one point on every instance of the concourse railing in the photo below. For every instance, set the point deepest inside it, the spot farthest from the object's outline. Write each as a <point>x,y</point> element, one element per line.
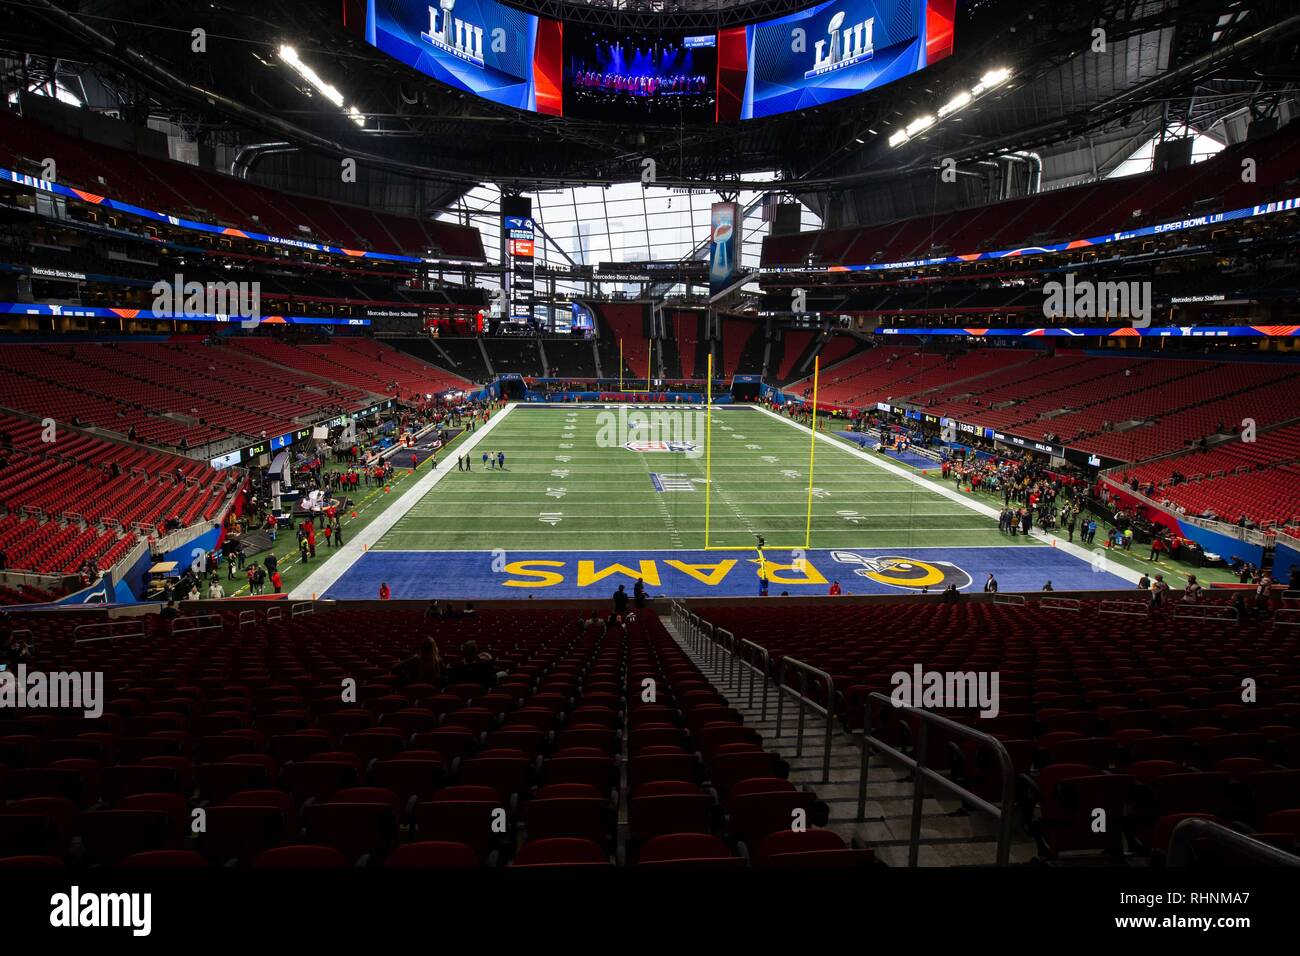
<point>922,775</point>
<point>1183,839</point>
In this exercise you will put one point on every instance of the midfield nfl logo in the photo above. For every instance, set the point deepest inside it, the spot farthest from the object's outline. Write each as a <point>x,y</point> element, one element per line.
<point>457,37</point>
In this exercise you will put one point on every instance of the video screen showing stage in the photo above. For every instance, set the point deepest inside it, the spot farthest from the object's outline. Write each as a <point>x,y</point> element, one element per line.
<point>640,78</point>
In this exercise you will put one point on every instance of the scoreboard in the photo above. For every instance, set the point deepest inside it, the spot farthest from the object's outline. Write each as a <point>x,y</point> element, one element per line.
<point>518,237</point>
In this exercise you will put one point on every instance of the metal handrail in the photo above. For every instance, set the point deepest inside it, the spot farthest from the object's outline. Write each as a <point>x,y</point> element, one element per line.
<point>805,670</point>
<point>730,670</point>
<point>1206,612</point>
<point>1287,617</point>
<point>1182,851</point>
<point>753,650</point>
<point>1014,600</point>
<point>301,608</point>
<point>278,614</point>
<point>198,622</point>
<point>921,774</point>
<point>1130,608</point>
<point>115,629</point>
<point>246,618</point>
<point>1061,604</point>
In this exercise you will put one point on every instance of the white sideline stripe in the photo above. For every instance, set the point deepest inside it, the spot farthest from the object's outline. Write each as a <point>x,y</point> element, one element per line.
<point>324,578</point>
<point>1083,554</point>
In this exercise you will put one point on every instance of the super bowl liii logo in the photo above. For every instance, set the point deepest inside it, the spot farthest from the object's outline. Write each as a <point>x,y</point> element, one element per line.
<point>843,47</point>
<point>458,37</point>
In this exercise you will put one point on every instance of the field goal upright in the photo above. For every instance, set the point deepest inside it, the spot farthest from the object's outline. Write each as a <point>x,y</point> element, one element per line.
<point>806,543</point>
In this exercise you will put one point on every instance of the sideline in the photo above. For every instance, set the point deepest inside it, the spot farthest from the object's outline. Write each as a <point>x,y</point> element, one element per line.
<point>1083,554</point>
<point>323,578</point>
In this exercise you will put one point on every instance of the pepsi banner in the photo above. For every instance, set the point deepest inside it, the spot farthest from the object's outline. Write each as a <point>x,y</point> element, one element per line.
<point>838,49</point>
<point>480,46</point>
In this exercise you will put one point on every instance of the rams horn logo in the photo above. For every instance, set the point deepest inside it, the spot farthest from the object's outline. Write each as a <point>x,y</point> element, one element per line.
<point>904,572</point>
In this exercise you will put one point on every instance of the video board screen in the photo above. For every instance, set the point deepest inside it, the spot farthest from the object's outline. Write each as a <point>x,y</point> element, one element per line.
<point>833,50</point>
<point>830,51</point>
<point>634,77</point>
<point>481,46</point>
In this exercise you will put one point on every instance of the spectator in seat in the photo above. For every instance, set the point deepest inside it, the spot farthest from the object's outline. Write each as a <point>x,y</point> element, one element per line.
<point>1159,590</point>
<point>430,662</point>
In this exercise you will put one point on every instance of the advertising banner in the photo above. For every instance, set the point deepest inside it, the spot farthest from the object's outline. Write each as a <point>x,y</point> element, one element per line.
<point>724,245</point>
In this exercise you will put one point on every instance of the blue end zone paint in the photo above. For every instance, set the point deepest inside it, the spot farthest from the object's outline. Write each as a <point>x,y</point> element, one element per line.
<point>654,480</point>
<point>906,457</point>
<point>469,575</point>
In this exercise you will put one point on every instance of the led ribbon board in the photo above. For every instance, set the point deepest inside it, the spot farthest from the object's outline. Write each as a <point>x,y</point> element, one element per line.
<point>179,222</point>
<point>1177,225</point>
<point>149,315</point>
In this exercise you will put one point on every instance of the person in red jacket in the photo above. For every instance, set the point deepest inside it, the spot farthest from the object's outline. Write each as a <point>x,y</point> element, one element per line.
<point>835,588</point>
<point>384,592</point>
<point>277,581</point>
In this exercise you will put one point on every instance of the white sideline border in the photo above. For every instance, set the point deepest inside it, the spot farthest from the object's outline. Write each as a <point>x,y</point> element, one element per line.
<point>1083,554</point>
<point>324,577</point>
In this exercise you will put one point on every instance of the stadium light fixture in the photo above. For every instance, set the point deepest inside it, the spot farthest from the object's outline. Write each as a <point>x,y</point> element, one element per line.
<point>990,80</point>
<point>954,104</point>
<point>290,56</point>
<point>919,124</point>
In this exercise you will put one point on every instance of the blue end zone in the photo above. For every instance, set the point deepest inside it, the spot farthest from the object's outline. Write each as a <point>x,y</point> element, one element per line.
<point>906,457</point>
<point>478,575</point>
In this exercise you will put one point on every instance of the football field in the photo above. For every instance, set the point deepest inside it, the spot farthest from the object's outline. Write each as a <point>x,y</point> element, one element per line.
<point>591,497</point>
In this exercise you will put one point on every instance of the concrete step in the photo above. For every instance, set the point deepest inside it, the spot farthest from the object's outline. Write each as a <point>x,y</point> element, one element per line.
<point>949,835</point>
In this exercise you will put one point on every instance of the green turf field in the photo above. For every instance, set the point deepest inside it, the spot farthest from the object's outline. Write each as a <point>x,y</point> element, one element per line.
<point>566,489</point>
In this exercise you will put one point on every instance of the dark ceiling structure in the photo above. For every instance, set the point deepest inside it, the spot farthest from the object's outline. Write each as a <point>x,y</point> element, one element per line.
<point>1163,61</point>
